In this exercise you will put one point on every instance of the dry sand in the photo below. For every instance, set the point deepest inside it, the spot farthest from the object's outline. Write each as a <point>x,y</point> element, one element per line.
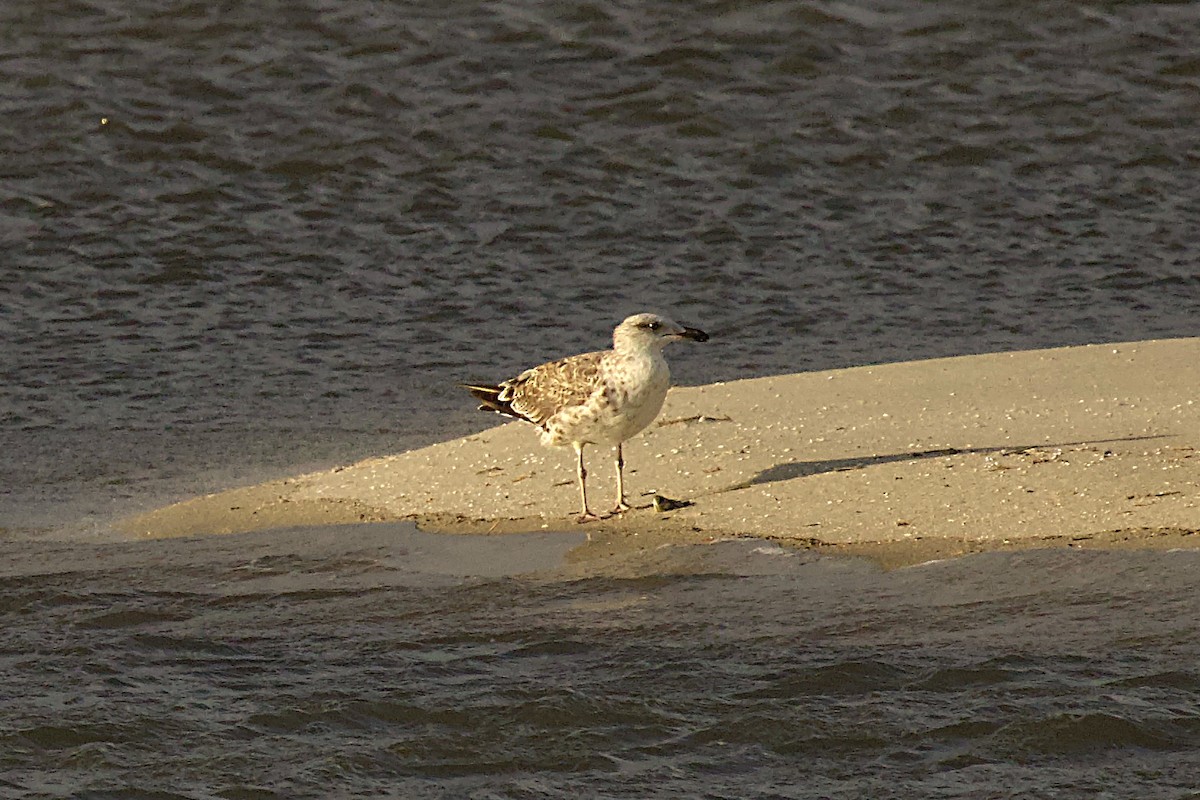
<point>1090,446</point>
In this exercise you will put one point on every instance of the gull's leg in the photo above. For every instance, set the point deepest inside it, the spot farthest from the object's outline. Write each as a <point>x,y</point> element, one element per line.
<point>585,515</point>
<point>621,504</point>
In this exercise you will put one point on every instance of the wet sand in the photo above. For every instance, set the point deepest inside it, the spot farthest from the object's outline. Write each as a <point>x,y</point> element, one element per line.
<point>1087,447</point>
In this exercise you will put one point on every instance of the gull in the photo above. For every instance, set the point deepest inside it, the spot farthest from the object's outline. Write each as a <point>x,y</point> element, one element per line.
<point>605,397</point>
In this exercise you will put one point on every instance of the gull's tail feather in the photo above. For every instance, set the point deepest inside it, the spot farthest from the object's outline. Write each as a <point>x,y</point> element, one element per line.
<point>493,398</point>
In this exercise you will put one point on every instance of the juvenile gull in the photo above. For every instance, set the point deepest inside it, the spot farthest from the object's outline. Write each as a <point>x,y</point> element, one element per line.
<point>595,398</point>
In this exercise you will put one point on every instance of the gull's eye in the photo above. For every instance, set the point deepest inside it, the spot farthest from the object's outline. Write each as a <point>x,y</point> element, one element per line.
<point>652,326</point>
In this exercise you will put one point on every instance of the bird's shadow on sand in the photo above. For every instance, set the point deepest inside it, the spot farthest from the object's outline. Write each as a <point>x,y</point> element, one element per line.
<point>803,469</point>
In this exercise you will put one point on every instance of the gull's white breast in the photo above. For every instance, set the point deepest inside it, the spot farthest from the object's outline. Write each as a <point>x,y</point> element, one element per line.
<point>628,398</point>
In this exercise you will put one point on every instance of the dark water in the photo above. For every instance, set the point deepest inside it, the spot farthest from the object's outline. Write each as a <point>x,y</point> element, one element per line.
<point>242,240</point>
<point>227,225</point>
<point>375,662</point>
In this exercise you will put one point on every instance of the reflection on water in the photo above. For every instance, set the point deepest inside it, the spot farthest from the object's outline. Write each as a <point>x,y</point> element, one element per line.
<point>374,661</point>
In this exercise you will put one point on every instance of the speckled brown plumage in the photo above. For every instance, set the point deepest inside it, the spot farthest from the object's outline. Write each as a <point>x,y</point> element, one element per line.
<point>604,397</point>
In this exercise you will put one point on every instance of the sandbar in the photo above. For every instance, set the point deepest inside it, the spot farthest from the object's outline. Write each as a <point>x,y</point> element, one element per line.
<point>1089,447</point>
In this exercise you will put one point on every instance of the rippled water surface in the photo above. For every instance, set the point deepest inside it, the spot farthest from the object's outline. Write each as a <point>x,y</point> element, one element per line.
<point>242,240</point>
<point>227,224</point>
<point>377,662</point>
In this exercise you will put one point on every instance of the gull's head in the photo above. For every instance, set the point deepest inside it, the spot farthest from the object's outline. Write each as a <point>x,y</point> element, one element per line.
<point>643,331</point>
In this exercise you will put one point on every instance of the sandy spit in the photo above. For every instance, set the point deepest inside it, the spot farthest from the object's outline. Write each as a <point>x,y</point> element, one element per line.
<point>1091,446</point>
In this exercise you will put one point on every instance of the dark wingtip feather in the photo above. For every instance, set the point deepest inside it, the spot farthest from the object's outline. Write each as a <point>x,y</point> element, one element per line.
<point>482,391</point>
<point>489,400</point>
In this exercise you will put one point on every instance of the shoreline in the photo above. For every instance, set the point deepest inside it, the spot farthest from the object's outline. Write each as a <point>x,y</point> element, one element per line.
<point>1087,447</point>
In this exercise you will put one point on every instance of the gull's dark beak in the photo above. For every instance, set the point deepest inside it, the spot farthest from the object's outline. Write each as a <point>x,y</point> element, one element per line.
<point>695,334</point>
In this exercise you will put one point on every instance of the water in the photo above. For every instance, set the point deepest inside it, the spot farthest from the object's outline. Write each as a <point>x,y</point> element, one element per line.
<point>244,240</point>
<point>378,662</point>
<point>225,225</point>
